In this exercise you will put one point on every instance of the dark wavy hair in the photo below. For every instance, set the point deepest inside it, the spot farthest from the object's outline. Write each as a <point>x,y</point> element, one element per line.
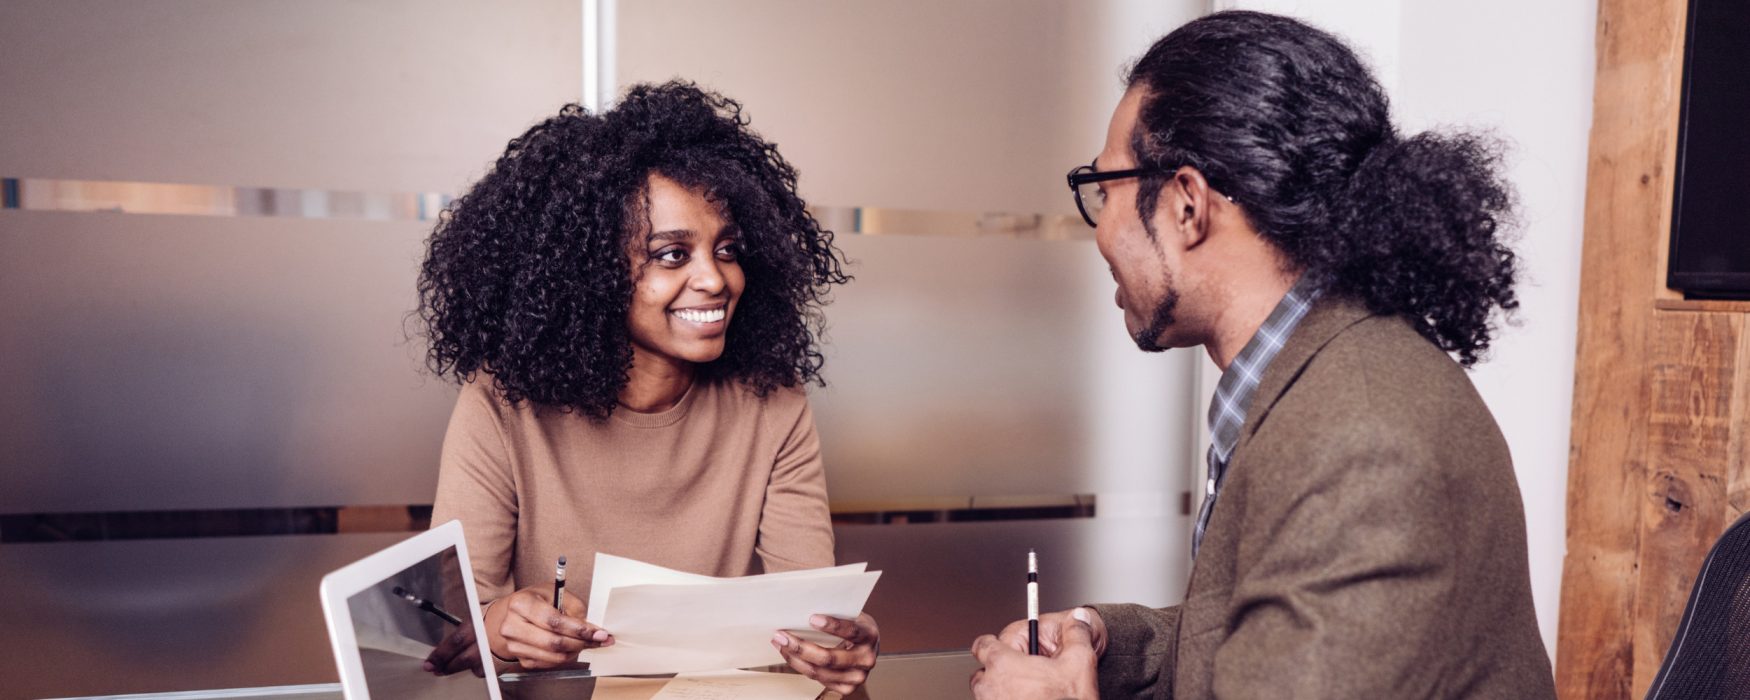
<point>528,278</point>
<point>1286,119</point>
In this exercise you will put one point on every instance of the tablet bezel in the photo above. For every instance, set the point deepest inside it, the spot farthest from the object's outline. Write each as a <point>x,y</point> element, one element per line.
<point>342,583</point>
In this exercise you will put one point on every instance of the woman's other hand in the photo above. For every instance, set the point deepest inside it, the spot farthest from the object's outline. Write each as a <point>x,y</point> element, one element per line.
<point>842,668</point>
<point>457,652</point>
<point>525,627</point>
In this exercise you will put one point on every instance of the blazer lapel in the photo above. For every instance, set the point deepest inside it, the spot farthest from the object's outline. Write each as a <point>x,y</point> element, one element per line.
<point>1329,316</point>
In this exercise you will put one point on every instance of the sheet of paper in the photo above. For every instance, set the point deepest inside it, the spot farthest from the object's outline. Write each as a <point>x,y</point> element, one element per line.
<point>739,685</point>
<point>700,623</point>
<point>614,572</point>
<point>627,688</point>
<point>382,640</point>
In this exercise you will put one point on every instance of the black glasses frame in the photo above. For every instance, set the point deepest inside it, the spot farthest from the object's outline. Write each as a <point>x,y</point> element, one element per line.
<point>1087,175</point>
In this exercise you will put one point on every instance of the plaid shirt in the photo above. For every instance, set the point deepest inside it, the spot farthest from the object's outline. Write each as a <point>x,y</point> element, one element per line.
<point>1233,394</point>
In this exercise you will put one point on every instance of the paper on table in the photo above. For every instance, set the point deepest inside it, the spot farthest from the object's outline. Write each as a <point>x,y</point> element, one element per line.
<point>739,685</point>
<point>373,638</point>
<point>709,624</point>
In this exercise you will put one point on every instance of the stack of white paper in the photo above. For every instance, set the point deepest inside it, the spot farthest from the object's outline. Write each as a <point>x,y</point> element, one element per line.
<point>667,621</point>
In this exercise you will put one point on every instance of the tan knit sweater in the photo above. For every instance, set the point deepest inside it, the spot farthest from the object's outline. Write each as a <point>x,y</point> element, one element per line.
<point>703,487</point>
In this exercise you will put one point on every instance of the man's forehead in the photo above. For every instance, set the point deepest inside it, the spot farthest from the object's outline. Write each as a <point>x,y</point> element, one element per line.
<point>1115,157</point>
<point>1117,148</point>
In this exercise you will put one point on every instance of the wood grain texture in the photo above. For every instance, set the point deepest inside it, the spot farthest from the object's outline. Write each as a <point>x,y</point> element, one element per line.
<point>1738,446</point>
<point>1628,201</point>
<point>1718,305</point>
<point>1684,504</point>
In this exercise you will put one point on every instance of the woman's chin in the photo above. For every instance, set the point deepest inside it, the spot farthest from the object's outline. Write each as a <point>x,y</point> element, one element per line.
<point>700,353</point>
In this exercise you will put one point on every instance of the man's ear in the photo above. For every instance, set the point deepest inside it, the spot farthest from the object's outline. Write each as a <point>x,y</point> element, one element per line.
<point>1187,195</point>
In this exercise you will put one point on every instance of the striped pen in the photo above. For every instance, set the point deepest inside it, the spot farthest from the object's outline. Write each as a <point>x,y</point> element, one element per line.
<point>1032,603</point>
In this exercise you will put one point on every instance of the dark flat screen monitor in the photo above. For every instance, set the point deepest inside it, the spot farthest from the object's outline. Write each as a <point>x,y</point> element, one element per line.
<point>1710,222</point>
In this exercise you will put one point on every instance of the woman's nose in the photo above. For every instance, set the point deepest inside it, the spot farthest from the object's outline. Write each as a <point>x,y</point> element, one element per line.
<point>707,277</point>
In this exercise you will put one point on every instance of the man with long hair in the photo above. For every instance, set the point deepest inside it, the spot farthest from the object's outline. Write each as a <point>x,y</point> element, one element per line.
<point>1361,534</point>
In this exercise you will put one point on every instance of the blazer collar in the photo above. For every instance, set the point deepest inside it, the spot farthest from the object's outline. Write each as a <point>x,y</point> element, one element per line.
<point>1329,316</point>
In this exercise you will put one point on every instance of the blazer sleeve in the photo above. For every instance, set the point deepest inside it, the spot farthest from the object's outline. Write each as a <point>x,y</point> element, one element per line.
<point>1344,579</point>
<point>476,485</point>
<point>1141,645</point>
<point>795,523</point>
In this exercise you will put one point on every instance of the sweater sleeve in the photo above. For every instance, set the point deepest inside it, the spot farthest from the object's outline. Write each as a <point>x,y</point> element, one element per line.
<point>1141,647</point>
<point>795,523</point>
<point>476,485</point>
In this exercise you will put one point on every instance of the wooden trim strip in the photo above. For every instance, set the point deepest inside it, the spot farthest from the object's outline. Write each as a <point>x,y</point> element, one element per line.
<point>1628,203</point>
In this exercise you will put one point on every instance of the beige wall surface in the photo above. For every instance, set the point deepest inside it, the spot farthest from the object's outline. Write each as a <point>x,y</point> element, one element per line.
<point>180,362</point>
<point>971,105</point>
<point>959,366</point>
<point>174,362</point>
<point>392,95</point>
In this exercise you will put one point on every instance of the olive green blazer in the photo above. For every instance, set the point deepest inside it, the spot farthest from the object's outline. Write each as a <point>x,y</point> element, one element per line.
<point>1369,541</point>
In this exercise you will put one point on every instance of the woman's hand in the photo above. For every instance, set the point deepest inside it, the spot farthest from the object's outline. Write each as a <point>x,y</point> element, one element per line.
<point>457,652</point>
<point>525,627</point>
<point>842,668</point>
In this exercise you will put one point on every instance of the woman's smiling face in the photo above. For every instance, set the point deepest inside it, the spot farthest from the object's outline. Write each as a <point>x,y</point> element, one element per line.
<point>686,277</point>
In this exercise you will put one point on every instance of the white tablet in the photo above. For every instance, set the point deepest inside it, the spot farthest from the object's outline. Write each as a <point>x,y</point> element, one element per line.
<point>393,613</point>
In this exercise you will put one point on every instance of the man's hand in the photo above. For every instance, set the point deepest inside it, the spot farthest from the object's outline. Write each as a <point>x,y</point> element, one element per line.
<point>1051,630</point>
<point>842,668</point>
<point>524,626</point>
<point>1009,673</point>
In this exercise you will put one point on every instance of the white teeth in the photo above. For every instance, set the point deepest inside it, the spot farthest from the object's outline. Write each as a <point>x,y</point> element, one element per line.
<point>696,316</point>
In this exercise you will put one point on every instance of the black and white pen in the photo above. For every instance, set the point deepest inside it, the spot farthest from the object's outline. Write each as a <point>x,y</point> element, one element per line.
<point>559,586</point>
<point>425,605</point>
<point>1032,603</point>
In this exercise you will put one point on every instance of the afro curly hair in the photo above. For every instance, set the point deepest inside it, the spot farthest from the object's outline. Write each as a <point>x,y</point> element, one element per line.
<point>528,276</point>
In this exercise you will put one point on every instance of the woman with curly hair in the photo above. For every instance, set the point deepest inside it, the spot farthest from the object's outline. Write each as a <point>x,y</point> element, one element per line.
<point>631,303</point>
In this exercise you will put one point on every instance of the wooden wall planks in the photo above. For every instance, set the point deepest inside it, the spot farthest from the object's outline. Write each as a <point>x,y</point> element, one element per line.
<point>1627,204</point>
<point>1738,447</point>
<point>1660,456</point>
<point>1684,508</point>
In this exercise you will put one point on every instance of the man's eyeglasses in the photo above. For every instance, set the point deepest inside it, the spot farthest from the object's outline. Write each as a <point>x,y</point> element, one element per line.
<point>1085,181</point>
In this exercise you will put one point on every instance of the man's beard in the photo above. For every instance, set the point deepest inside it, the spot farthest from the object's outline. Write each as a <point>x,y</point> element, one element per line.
<point>1149,338</point>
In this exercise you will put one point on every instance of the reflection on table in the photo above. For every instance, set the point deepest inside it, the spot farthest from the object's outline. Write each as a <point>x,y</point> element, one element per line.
<point>931,676</point>
<point>246,607</point>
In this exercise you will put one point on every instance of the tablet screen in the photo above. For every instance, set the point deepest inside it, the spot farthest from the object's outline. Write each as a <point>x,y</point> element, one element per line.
<point>415,619</point>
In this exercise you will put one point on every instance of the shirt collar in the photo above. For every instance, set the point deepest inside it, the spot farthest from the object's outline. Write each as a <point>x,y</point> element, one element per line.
<point>1238,385</point>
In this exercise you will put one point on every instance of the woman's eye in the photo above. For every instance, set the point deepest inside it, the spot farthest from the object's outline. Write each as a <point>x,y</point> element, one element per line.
<point>672,255</point>
<point>729,252</point>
